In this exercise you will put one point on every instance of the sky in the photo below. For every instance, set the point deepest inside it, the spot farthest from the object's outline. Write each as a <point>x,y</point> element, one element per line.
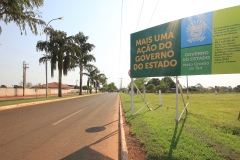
<point>108,24</point>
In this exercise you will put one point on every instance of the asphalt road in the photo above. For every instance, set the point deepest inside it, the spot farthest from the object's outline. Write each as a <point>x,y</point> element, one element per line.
<point>80,128</point>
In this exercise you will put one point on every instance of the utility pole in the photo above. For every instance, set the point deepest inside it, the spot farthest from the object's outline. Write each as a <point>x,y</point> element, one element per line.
<point>24,76</point>
<point>120,83</point>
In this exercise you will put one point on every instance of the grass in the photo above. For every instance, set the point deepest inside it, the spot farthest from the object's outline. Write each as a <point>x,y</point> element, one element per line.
<point>209,130</point>
<point>34,99</point>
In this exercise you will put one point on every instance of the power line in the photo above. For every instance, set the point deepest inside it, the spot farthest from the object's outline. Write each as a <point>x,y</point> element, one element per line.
<point>14,68</point>
<point>137,25</point>
<point>153,13</point>
<point>140,14</point>
<point>8,67</point>
<point>6,47</point>
<point>119,58</point>
<point>149,21</point>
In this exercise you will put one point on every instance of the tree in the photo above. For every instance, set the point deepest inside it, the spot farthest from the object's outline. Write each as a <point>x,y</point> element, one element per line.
<point>237,88</point>
<point>85,87</point>
<point>140,83</point>
<point>104,88</point>
<point>16,86</point>
<point>92,73</point>
<point>112,87</point>
<point>82,57</point>
<point>21,83</point>
<point>192,89</point>
<point>95,78</point>
<point>3,86</point>
<point>102,79</point>
<point>230,89</point>
<point>154,81</point>
<point>169,81</point>
<point>22,12</point>
<point>150,88</point>
<point>99,77</point>
<point>60,53</point>
<point>29,85</point>
<point>164,86</point>
<point>199,87</point>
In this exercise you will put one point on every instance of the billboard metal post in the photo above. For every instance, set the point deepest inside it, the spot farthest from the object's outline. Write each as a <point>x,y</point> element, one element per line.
<point>144,92</point>
<point>160,98</point>
<point>176,98</point>
<point>132,97</point>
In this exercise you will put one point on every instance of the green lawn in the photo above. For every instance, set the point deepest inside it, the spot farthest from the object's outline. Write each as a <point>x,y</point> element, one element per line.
<point>210,129</point>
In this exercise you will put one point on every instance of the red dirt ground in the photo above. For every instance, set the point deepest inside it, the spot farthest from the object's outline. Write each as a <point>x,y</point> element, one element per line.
<point>136,150</point>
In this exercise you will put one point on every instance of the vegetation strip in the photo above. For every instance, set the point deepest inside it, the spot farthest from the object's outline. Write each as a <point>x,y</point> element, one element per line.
<point>210,129</point>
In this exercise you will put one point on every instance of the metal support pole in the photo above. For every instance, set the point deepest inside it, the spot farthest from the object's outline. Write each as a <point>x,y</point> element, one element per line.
<point>46,77</point>
<point>132,97</point>
<point>176,98</point>
<point>160,98</point>
<point>144,92</point>
<point>24,78</point>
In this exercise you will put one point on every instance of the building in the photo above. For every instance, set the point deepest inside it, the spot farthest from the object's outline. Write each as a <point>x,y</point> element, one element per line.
<point>54,85</point>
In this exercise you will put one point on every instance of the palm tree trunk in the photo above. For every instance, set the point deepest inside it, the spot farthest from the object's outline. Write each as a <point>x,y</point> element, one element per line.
<point>90,87</point>
<point>60,68</point>
<point>59,83</point>
<point>81,74</point>
<point>96,86</point>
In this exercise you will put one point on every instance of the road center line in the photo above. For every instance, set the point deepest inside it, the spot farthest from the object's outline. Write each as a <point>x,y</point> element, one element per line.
<point>68,116</point>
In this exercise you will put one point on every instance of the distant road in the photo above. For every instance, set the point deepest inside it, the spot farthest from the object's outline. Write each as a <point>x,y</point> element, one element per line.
<point>80,128</point>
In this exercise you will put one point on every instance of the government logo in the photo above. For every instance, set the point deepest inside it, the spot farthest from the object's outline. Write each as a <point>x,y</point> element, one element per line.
<point>196,31</point>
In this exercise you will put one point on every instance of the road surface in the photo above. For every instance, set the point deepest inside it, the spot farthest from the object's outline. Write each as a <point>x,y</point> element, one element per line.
<point>80,128</point>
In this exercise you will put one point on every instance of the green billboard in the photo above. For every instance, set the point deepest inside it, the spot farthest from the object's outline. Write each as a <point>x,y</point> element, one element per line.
<point>208,43</point>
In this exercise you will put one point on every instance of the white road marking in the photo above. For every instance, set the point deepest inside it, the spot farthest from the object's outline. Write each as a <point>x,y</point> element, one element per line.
<point>68,116</point>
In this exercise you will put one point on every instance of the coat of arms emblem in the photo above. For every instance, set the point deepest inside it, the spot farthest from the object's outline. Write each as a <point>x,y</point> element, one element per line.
<point>196,31</point>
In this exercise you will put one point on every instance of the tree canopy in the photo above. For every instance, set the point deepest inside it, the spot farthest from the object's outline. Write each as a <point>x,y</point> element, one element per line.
<point>23,13</point>
<point>154,84</point>
<point>3,86</point>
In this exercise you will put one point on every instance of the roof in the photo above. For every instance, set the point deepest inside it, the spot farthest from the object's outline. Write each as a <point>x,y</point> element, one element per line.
<point>55,85</point>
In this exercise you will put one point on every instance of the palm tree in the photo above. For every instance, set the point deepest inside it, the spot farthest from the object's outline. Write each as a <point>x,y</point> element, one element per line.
<point>93,78</point>
<point>112,87</point>
<point>82,57</point>
<point>99,78</point>
<point>60,52</point>
<point>102,79</point>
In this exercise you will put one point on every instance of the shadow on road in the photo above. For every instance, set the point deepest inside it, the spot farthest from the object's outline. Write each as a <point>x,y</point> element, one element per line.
<point>86,153</point>
<point>98,128</point>
<point>95,129</point>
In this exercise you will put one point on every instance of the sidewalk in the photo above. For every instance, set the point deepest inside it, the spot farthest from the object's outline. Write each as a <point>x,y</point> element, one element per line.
<point>23,97</point>
<point>10,98</point>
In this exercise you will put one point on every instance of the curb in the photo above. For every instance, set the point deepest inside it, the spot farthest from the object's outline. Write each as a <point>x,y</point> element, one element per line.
<point>123,145</point>
<point>39,102</point>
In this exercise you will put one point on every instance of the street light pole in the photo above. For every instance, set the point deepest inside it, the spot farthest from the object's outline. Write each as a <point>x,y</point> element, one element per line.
<point>61,18</point>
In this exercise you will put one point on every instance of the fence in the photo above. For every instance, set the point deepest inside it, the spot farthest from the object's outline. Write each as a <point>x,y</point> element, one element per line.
<point>11,92</point>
